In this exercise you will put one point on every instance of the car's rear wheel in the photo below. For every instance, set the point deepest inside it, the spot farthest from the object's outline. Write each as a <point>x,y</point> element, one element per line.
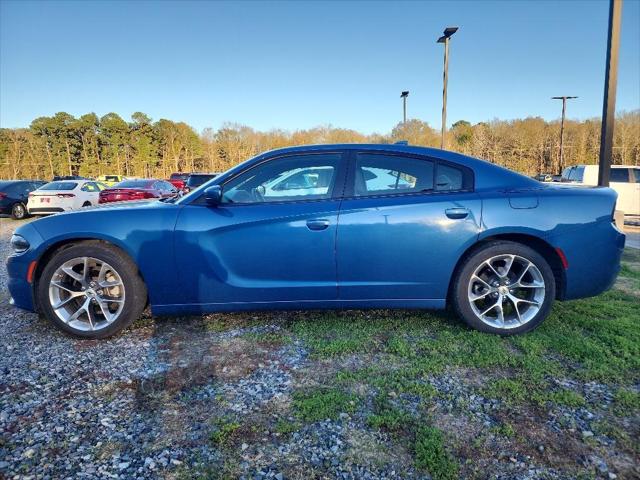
<point>19,211</point>
<point>504,288</point>
<point>86,204</point>
<point>91,290</point>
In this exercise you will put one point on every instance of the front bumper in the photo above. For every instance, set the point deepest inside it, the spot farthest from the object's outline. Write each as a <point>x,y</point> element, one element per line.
<point>20,289</point>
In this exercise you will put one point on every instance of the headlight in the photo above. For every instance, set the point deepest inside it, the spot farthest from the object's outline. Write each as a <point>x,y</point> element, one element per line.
<point>19,243</point>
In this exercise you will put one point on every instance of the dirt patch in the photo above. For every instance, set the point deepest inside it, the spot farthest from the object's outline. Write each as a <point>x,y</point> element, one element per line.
<point>628,286</point>
<point>367,448</point>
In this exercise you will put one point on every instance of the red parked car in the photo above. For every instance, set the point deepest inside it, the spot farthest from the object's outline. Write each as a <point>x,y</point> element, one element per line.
<point>138,190</point>
<point>179,180</point>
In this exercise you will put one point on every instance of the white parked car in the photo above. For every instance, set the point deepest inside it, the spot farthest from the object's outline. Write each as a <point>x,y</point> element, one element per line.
<point>624,179</point>
<point>63,196</point>
<point>301,181</point>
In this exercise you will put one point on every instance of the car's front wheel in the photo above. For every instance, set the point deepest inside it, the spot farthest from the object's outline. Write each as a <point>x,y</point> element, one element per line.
<point>91,290</point>
<point>19,211</point>
<point>505,288</point>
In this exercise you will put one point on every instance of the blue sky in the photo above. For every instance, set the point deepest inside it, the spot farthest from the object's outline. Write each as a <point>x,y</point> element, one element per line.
<point>300,64</point>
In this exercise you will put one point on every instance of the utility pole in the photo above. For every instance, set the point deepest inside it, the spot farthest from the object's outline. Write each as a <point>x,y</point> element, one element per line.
<point>404,96</point>
<point>564,109</point>
<point>448,32</point>
<point>610,84</point>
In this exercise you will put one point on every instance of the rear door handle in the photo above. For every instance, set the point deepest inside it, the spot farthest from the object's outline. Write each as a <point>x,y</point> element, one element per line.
<point>457,213</point>
<point>318,224</point>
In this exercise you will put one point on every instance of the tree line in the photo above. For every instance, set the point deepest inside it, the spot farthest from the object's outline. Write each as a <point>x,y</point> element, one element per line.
<point>92,145</point>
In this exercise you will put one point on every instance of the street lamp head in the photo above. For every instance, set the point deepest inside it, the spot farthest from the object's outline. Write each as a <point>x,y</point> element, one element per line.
<point>404,94</point>
<point>560,98</point>
<point>448,32</point>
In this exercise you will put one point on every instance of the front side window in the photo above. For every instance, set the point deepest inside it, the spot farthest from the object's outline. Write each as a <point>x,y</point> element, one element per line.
<point>635,173</point>
<point>299,177</point>
<point>619,175</point>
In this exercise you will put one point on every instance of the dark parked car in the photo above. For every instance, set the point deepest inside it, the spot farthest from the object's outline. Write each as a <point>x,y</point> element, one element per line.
<point>14,195</point>
<point>138,190</point>
<point>178,180</point>
<point>197,179</point>
<point>327,226</point>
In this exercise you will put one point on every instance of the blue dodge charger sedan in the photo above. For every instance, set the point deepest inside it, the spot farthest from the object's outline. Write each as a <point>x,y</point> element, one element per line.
<point>331,226</point>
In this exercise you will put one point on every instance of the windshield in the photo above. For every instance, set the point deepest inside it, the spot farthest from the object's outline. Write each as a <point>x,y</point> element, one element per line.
<point>179,176</point>
<point>59,186</point>
<point>134,184</point>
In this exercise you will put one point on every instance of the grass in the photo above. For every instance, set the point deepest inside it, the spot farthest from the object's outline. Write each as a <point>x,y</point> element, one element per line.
<point>394,358</point>
<point>432,456</point>
<point>286,427</point>
<point>320,404</point>
<point>595,339</point>
<point>388,417</point>
<point>626,401</point>
<point>223,432</point>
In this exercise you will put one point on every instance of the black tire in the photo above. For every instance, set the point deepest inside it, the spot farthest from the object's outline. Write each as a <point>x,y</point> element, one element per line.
<point>460,287</point>
<point>86,204</point>
<point>19,211</point>
<point>136,291</point>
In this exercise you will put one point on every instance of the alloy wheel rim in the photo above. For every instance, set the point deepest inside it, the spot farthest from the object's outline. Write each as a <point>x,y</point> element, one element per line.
<point>506,291</point>
<point>87,293</point>
<point>18,211</point>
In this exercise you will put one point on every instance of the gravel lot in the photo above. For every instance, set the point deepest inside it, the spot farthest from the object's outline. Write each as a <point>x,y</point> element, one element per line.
<point>215,397</point>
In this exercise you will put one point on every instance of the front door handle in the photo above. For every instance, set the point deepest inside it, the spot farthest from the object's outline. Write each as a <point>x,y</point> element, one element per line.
<point>317,224</point>
<point>457,213</point>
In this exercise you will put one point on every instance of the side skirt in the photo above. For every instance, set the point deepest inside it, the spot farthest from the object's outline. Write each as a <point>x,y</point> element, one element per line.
<point>199,308</point>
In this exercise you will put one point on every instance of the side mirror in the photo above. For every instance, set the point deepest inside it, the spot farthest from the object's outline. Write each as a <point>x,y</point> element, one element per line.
<point>213,195</point>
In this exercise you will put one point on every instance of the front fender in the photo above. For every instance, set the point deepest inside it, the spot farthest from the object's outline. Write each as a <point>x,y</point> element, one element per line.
<point>144,234</point>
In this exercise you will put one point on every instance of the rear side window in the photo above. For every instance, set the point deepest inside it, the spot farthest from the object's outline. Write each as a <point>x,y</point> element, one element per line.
<point>620,175</point>
<point>378,174</point>
<point>635,174</point>
<point>449,178</point>
<point>381,174</point>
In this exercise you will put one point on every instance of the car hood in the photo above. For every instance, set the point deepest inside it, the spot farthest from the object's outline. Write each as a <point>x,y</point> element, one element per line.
<point>121,223</point>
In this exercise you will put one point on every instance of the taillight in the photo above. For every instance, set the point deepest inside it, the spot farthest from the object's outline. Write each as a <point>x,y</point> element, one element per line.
<point>66,195</point>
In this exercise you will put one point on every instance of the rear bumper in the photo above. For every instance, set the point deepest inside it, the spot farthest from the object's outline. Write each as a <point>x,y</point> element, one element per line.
<point>45,211</point>
<point>593,254</point>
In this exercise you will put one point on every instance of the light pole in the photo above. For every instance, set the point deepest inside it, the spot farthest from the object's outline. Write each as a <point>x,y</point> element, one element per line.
<point>610,84</point>
<point>564,109</point>
<point>404,96</point>
<point>448,32</point>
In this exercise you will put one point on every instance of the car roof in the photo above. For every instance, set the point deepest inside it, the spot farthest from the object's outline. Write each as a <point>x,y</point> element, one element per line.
<point>487,175</point>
